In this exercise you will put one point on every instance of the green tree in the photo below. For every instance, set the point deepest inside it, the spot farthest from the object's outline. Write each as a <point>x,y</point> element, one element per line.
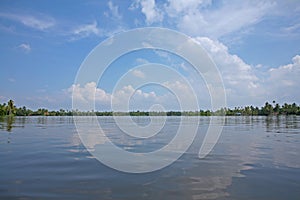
<point>267,109</point>
<point>277,109</point>
<point>3,109</point>
<point>11,109</point>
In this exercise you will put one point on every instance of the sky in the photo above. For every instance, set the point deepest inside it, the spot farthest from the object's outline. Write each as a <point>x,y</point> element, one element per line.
<point>254,44</point>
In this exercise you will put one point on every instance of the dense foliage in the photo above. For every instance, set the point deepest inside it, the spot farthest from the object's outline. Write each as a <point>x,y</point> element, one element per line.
<point>268,109</point>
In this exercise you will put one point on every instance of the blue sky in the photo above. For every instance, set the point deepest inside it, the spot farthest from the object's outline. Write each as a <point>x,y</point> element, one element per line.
<point>255,45</point>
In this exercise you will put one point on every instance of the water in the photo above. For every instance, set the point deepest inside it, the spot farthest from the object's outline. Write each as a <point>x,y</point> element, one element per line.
<point>255,158</point>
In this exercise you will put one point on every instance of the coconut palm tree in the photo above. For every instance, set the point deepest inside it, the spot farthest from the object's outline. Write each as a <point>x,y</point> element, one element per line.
<point>10,108</point>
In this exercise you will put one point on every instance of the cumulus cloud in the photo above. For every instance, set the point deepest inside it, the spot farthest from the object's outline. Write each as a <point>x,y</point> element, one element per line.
<point>283,82</point>
<point>137,99</point>
<point>245,84</point>
<point>242,84</point>
<point>89,92</point>
<point>179,88</point>
<point>138,73</point>
<point>149,9</point>
<point>114,10</point>
<point>240,80</point>
<point>233,69</point>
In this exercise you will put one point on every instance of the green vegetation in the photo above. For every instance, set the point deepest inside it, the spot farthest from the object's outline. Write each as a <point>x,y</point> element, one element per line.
<point>10,109</point>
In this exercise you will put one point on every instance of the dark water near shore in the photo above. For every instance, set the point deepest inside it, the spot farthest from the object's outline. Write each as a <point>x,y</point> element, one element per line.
<point>255,158</point>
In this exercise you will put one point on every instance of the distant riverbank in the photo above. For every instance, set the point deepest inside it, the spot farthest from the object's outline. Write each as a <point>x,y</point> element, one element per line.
<point>9,109</point>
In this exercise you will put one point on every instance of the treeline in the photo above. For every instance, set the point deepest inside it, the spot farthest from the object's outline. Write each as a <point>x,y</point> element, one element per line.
<point>266,110</point>
<point>9,109</point>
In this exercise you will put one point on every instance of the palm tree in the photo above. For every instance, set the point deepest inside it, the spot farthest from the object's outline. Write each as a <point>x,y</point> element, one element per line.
<point>2,109</point>
<point>267,109</point>
<point>10,108</point>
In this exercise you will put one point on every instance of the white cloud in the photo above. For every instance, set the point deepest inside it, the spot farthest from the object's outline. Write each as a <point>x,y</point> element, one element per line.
<point>233,69</point>
<point>183,66</point>
<point>25,47</point>
<point>88,93</point>
<point>182,91</point>
<point>246,84</point>
<point>283,82</point>
<point>138,99</point>
<point>242,83</point>
<point>174,8</point>
<point>92,29</point>
<point>149,9</point>
<point>86,30</point>
<point>206,17</point>
<point>217,22</point>
<point>141,61</point>
<point>138,73</point>
<point>240,80</point>
<point>290,31</point>
<point>292,28</point>
<point>40,22</point>
<point>114,10</point>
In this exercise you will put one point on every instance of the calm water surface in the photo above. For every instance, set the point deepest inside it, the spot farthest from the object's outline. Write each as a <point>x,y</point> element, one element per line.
<point>255,158</point>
